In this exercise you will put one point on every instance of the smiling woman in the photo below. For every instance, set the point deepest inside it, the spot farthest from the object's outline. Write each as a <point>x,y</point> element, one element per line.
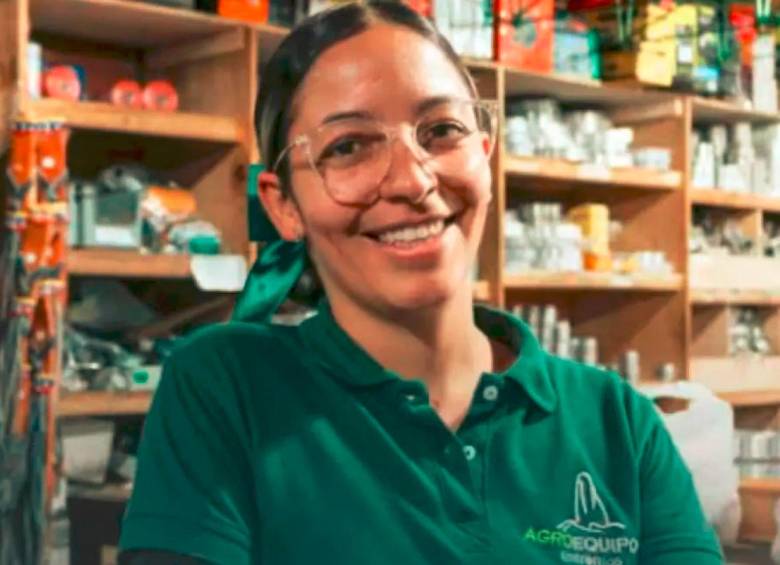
<point>400,423</point>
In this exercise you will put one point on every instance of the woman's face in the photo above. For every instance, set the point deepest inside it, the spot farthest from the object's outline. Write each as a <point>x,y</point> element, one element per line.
<point>389,73</point>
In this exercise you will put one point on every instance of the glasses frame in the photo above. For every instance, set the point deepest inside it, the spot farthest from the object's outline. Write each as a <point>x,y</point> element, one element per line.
<point>304,140</point>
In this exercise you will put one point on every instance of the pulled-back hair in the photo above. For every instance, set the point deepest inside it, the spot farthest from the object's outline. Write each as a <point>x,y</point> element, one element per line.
<point>288,66</point>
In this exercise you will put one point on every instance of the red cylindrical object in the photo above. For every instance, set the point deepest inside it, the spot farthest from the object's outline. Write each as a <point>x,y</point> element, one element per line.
<point>128,94</point>
<point>62,81</point>
<point>161,95</point>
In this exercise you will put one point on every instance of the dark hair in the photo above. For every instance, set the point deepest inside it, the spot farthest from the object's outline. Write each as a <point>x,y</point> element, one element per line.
<point>288,66</point>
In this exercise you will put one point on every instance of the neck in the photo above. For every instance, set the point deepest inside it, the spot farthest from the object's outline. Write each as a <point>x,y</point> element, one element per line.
<point>440,345</point>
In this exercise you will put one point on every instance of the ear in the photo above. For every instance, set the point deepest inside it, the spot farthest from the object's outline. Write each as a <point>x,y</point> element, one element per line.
<point>281,208</point>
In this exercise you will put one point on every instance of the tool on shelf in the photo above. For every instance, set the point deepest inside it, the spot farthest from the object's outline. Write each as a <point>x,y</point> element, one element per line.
<point>33,295</point>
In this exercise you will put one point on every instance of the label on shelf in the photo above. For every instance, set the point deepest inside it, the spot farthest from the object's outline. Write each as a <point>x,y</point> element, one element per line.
<point>219,273</point>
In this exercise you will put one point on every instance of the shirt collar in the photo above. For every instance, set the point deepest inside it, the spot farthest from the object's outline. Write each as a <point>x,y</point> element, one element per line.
<point>347,361</point>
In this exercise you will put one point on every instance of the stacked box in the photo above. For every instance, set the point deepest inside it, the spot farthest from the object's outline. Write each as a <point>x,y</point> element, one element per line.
<point>524,31</point>
<point>467,24</point>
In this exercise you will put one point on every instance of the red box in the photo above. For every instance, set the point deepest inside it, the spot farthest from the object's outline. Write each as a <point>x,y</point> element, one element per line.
<point>524,32</point>
<point>423,7</point>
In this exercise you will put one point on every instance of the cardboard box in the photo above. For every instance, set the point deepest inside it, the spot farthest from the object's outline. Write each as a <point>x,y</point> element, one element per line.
<point>524,31</point>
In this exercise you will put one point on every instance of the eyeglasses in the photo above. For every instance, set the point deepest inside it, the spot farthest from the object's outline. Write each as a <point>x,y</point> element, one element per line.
<point>354,155</point>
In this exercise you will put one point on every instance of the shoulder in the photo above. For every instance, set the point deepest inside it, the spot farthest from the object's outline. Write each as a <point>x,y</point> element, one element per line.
<point>590,393</point>
<point>235,355</point>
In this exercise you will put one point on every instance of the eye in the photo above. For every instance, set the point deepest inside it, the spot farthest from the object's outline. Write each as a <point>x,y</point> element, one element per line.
<point>349,149</point>
<point>441,134</point>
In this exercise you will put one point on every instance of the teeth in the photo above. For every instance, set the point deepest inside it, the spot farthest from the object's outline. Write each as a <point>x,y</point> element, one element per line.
<point>412,234</point>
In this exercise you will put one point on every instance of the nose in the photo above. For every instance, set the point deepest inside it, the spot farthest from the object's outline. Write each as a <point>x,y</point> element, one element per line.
<point>408,179</point>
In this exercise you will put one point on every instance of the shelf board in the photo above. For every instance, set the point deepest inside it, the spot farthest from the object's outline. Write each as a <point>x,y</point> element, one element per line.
<point>735,296</point>
<point>103,116</point>
<point>578,173</point>
<point>710,110</point>
<point>103,262</point>
<point>726,199</point>
<point>748,398</point>
<point>125,23</point>
<point>593,281</point>
<point>102,403</point>
<point>760,485</point>
<point>578,90</point>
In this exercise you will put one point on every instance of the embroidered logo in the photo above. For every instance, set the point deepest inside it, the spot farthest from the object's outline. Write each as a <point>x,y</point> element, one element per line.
<point>590,537</point>
<point>590,515</point>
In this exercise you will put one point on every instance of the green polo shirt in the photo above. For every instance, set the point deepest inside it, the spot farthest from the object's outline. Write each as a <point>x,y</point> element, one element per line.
<point>271,444</point>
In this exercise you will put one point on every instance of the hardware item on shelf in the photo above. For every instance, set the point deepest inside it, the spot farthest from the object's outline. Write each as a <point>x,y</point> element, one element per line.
<point>524,32</point>
<point>467,24</point>
<point>746,333</point>
<point>34,70</point>
<point>161,95</point>
<point>32,301</point>
<point>575,48</point>
<point>62,82</point>
<point>253,11</point>
<point>593,221</point>
<point>737,158</point>
<point>538,239</point>
<point>757,452</point>
<point>127,94</point>
<point>771,235</point>
<point>666,372</point>
<point>98,364</point>
<point>541,128</point>
<point>667,44</point>
<point>106,212</point>
<point>711,236</point>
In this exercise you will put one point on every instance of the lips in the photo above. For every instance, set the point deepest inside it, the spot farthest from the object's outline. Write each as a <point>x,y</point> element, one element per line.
<point>411,232</point>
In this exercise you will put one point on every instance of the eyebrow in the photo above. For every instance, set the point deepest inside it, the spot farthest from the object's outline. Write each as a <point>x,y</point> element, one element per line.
<point>420,108</point>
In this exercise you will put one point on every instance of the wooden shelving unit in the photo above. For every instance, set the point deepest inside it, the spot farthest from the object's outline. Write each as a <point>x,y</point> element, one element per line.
<point>758,497</point>
<point>100,403</point>
<point>102,116</point>
<point>577,174</point>
<point>751,398</point>
<point>594,282</point>
<point>710,110</point>
<point>736,200</point>
<point>735,297</point>
<point>127,264</point>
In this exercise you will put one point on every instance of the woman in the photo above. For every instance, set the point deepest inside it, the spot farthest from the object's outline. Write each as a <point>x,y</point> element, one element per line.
<point>400,424</point>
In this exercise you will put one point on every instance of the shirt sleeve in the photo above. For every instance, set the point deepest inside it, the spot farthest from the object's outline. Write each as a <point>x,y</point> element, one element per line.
<point>674,529</point>
<point>192,492</point>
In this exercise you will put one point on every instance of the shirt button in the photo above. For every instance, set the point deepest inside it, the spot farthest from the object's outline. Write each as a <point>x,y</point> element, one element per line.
<point>490,393</point>
<point>469,452</point>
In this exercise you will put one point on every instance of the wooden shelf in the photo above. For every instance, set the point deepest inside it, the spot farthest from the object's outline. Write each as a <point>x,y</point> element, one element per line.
<point>99,403</point>
<point>593,281</point>
<point>577,90</point>
<point>103,116</point>
<point>740,201</point>
<point>758,497</point>
<point>768,485</point>
<point>125,23</point>
<point>579,173</point>
<point>735,296</point>
<point>749,398</point>
<point>710,110</point>
<point>102,262</point>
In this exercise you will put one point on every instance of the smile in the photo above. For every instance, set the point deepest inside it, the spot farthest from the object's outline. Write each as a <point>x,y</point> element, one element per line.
<point>407,236</point>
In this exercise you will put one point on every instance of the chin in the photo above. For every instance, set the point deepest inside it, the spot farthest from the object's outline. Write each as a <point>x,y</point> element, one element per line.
<point>427,292</point>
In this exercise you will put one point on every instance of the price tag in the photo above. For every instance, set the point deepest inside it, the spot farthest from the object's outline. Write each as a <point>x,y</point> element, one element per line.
<point>219,273</point>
